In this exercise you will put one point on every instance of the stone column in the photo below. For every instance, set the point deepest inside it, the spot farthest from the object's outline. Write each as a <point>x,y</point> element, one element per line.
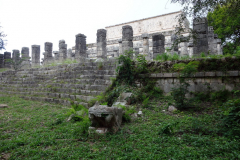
<point>219,47</point>
<point>127,37</point>
<point>120,52</point>
<point>200,26</point>
<point>56,55</point>
<point>183,46</point>
<point>15,55</point>
<point>48,58</point>
<point>101,43</point>
<point>190,49</point>
<point>62,50</point>
<point>136,52</point>
<point>116,54</point>
<point>146,53</point>
<point>80,47</point>
<point>35,55</point>
<point>158,44</point>
<point>7,56</point>
<point>1,60</point>
<point>25,57</point>
<point>69,53</point>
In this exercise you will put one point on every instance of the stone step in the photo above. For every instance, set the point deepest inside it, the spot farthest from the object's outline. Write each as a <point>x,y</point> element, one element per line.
<point>52,90</point>
<point>63,96</point>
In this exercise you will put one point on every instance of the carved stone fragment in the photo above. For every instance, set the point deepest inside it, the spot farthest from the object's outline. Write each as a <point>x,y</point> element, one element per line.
<point>104,118</point>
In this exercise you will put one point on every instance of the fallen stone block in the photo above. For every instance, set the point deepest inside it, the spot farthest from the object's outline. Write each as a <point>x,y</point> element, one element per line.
<point>104,118</point>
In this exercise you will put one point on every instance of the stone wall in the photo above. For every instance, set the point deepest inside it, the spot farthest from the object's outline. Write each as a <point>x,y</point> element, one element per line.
<point>201,81</point>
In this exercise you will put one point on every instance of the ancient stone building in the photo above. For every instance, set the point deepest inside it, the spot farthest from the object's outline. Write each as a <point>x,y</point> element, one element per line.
<point>161,35</point>
<point>158,25</point>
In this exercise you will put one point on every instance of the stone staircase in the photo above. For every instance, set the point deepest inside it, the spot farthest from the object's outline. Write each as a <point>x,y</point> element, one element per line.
<point>64,84</point>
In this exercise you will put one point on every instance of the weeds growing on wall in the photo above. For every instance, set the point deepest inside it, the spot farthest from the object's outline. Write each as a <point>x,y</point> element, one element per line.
<point>179,93</point>
<point>129,80</point>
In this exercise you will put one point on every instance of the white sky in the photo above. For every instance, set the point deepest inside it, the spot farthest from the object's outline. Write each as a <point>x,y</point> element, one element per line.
<point>28,22</point>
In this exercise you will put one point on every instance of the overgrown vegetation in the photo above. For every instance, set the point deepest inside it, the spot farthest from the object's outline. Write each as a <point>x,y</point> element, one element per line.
<point>32,130</point>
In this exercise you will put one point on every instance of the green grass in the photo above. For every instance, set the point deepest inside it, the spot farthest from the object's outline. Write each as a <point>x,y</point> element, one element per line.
<point>35,130</point>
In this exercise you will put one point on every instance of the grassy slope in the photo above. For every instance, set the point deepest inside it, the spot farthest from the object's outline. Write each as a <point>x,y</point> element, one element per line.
<point>35,130</point>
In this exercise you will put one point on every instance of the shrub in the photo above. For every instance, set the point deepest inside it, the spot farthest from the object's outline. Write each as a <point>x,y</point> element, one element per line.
<point>231,118</point>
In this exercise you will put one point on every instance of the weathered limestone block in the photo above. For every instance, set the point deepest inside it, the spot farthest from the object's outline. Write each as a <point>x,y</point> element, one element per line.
<point>80,46</point>
<point>104,118</point>
<point>35,55</point>
<point>26,58</point>
<point>101,43</point>
<point>62,50</point>
<point>127,38</point>
<point>48,58</point>
<point>7,56</point>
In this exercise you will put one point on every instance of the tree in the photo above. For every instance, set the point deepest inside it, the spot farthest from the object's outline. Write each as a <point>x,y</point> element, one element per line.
<point>2,35</point>
<point>227,25</point>
<point>201,8</point>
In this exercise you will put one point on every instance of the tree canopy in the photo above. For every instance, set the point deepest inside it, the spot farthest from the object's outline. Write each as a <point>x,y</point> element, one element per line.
<point>2,35</point>
<point>226,25</point>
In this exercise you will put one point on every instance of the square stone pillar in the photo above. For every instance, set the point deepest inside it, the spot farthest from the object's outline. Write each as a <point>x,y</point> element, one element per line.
<point>120,52</point>
<point>7,56</point>
<point>101,43</point>
<point>69,53</point>
<point>200,27</point>
<point>80,47</point>
<point>190,49</point>
<point>15,55</point>
<point>25,57</point>
<point>158,44</point>
<point>183,46</point>
<point>1,61</point>
<point>56,55</point>
<point>62,50</point>
<point>219,47</point>
<point>127,37</point>
<point>48,58</point>
<point>35,55</point>
<point>146,53</point>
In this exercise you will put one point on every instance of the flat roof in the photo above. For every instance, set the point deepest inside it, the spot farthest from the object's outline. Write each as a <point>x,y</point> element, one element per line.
<point>144,19</point>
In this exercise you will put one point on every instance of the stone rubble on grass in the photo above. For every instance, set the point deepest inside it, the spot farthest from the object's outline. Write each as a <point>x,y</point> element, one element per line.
<point>172,108</point>
<point>3,106</point>
<point>139,113</point>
